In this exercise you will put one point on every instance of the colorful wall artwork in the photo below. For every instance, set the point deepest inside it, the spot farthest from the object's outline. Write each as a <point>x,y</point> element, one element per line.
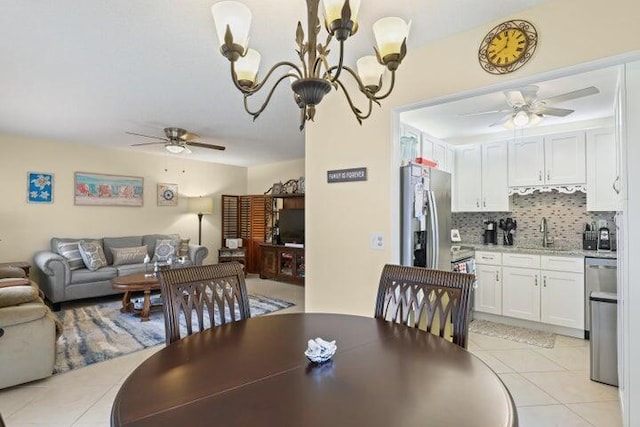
<point>39,187</point>
<point>92,189</point>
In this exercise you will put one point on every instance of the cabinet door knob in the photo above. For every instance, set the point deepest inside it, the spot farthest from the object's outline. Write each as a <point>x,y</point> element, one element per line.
<point>539,175</point>
<point>535,281</point>
<point>548,175</point>
<point>544,281</point>
<point>477,203</point>
<point>485,203</point>
<point>497,277</point>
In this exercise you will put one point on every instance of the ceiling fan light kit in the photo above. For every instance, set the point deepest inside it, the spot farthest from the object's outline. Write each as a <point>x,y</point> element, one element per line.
<point>313,77</point>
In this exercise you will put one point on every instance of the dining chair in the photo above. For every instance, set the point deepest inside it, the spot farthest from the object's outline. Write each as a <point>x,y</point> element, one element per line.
<point>208,295</point>
<point>436,301</point>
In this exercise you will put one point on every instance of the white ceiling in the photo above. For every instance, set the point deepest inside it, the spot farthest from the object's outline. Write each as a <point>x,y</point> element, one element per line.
<point>87,71</point>
<point>445,122</point>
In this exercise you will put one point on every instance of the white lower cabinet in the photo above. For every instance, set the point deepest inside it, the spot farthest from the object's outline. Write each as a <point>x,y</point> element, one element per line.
<point>521,293</point>
<point>520,288</point>
<point>488,295</point>
<point>562,299</point>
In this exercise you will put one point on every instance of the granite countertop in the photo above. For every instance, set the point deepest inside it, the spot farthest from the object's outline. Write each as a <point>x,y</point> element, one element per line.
<point>531,250</point>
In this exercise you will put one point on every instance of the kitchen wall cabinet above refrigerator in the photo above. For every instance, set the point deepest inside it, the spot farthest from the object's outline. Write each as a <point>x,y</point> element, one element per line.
<point>481,178</point>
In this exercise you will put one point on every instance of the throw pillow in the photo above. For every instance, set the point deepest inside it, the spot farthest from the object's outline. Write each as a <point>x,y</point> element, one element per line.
<point>183,250</point>
<point>122,256</point>
<point>70,251</point>
<point>92,255</point>
<point>166,249</point>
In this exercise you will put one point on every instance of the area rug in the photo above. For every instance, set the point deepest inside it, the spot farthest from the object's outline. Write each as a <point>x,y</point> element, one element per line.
<point>513,333</point>
<point>100,332</point>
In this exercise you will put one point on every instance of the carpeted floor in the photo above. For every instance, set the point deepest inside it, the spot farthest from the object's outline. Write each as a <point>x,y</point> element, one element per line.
<point>513,333</point>
<point>100,332</point>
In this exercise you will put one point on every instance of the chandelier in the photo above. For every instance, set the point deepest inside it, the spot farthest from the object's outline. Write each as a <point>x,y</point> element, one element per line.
<point>314,77</point>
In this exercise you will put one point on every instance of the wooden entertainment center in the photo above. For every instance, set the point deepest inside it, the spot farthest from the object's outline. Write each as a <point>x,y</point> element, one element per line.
<point>271,226</point>
<point>282,263</point>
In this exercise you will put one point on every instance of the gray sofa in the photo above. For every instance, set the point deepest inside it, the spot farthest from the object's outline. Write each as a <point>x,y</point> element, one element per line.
<point>60,283</point>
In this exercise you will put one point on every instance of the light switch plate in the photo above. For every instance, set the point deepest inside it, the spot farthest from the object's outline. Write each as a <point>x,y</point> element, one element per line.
<point>376,241</point>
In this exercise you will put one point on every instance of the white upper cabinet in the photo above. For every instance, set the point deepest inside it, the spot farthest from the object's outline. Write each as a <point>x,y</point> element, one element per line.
<point>526,162</point>
<point>426,148</point>
<point>495,190</point>
<point>564,158</point>
<point>481,178</point>
<point>602,172</point>
<point>550,160</point>
<point>439,151</point>
<point>468,178</point>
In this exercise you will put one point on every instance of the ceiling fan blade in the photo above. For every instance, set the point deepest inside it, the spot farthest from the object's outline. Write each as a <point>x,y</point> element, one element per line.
<point>501,121</point>
<point>187,151</point>
<point>203,145</point>
<point>189,136</point>
<point>146,136</point>
<point>480,113</point>
<point>591,90</point>
<point>551,111</point>
<point>515,98</point>
<point>148,143</point>
<point>529,93</point>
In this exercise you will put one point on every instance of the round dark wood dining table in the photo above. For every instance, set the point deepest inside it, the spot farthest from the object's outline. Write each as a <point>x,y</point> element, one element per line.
<point>255,373</point>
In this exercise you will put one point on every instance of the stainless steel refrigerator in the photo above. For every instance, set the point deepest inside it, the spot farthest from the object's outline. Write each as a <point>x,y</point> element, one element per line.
<point>425,217</point>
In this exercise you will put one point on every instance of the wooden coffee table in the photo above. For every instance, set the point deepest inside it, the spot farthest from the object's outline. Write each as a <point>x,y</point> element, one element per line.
<point>138,282</point>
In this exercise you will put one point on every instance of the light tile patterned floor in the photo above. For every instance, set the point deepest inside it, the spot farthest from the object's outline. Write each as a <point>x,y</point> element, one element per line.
<point>551,387</point>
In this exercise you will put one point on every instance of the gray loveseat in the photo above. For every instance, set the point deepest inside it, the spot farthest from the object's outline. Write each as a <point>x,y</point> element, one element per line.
<point>60,283</point>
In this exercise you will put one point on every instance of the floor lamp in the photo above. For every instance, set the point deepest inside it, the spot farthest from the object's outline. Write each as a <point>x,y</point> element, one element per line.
<point>201,206</point>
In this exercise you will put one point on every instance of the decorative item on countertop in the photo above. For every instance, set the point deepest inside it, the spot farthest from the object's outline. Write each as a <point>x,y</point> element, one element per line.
<point>319,350</point>
<point>301,185</point>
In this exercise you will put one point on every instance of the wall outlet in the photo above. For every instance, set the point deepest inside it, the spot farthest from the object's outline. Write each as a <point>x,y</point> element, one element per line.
<point>376,241</point>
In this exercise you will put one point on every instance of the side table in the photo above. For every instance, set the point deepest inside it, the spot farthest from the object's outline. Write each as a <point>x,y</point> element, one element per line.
<point>19,264</point>
<point>230,255</point>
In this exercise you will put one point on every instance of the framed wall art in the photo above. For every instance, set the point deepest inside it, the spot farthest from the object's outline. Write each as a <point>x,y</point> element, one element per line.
<point>167,194</point>
<point>94,189</point>
<point>39,187</point>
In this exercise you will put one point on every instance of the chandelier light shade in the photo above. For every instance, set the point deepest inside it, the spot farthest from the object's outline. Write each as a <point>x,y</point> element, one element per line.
<point>390,34</point>
<point>370,71</point>
<point>235,16</point>
<point>313,77</point>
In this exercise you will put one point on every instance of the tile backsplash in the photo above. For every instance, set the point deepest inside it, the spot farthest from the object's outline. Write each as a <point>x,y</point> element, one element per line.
<point>566,215</point>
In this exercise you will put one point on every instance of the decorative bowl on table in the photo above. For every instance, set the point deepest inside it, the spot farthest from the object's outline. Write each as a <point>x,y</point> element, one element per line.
<point>319,350</point>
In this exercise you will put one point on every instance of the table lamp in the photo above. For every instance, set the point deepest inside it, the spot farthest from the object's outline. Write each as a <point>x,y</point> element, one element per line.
<point>201,206</point>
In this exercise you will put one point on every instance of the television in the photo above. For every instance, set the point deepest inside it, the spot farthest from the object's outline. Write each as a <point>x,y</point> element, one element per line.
<point>291,225</point>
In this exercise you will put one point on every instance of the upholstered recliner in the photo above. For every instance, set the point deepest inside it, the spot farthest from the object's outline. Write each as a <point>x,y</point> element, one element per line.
<point>28,330</point>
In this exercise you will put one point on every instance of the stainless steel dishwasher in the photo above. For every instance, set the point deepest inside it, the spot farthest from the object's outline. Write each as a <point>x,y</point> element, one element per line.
<point>599,276</point>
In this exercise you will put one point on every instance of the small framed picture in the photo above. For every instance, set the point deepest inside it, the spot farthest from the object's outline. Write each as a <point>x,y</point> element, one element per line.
<point>167,194</point>
<point>39,187</point>
<point>278,188</point>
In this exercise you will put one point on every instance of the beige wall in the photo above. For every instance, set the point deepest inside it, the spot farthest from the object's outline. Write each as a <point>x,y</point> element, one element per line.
<point>26,228</point>
<point>342,272</point>
<point>261,178</point>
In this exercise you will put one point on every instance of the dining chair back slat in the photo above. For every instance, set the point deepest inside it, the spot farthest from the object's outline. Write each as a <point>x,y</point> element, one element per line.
<point>436,301</point>
<point>203,296</point>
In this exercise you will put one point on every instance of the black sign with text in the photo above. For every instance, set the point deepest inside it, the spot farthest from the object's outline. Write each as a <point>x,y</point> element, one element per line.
<point>347,175</point>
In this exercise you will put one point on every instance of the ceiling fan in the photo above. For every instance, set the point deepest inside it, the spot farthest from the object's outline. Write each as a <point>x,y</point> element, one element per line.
<point>526,109</point>
<point>177,140</point>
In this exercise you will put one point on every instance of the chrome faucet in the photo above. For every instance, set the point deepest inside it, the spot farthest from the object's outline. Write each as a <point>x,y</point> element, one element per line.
<point>545,233</point>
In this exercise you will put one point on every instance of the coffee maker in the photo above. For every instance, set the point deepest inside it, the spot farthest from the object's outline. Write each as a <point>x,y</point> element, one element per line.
<point>490,233</point>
